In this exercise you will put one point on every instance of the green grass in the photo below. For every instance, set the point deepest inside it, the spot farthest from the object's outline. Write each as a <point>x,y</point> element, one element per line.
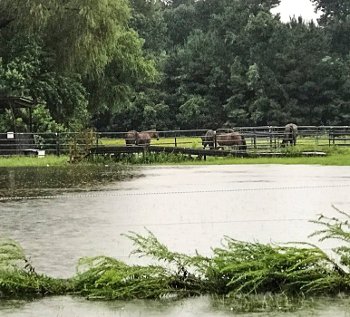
<point>24,161</point>
<point>196,142</point>
<point>336,155</point>
<point>331,160</point>
<point>191,142</point>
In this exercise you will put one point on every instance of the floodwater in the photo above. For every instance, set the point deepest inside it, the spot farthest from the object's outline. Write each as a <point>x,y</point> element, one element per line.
<point>187,208</point>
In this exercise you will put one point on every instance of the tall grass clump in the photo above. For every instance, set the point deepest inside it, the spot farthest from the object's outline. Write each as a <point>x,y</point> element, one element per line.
<point>338,229</point>
<point>18,278</point>
<point>237,269</point>
<point>247,276</point>
<point>154,158</point>
<point>244,268</point>
<point>108,278</point>
<point>254,268</point>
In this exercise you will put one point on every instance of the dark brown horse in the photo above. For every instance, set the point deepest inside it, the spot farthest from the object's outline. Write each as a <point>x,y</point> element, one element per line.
<point>224,139</point>
<point>290,134</point>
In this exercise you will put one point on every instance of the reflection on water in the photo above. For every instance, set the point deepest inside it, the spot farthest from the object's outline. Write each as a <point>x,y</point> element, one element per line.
<point>70,306</point>
<point>187,208</point>
<point>50,180</point>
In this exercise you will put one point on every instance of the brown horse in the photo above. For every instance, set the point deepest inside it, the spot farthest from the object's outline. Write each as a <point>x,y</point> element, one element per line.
<point>290,134</point>
<point>137,138</point>
<point>143,138</point>
<point>224,139</point>
<point>231,139</point>
<point>130,137</point>
<point>152,133</point>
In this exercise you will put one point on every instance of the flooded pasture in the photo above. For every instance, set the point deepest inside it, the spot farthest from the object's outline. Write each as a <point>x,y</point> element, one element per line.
<point>187,208</point>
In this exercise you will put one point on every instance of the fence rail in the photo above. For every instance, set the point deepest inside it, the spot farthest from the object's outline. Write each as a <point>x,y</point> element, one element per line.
<point>264,138</point>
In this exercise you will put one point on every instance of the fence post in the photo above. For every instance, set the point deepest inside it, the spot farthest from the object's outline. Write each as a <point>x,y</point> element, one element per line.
<point>58,147</point>
<point>175,140</point>
<point>331,137</point>
<point>254,138</point>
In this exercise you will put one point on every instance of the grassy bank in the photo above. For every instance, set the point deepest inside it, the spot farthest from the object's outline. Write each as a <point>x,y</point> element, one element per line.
<point>246,276</point>
<point>334,160</point>
<point>23,161</point>
<point>336,156</point>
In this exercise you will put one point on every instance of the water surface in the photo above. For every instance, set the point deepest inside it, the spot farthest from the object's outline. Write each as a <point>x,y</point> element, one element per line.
<point>187,208</point>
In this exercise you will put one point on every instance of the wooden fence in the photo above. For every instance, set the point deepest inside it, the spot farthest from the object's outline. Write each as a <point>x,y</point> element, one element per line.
<point>264,139</point>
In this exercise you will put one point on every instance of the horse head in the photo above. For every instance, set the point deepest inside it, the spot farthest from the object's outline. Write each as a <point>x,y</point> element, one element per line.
<point>152,133</point>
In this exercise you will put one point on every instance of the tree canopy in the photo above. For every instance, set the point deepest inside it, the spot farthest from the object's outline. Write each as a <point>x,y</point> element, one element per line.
<point>119,65</point>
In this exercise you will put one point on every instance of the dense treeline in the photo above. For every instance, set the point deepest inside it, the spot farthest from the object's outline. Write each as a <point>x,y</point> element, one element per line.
<point>158,64</point>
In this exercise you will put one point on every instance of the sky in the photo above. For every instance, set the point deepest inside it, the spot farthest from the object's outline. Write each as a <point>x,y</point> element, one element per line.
<point>288,8</point>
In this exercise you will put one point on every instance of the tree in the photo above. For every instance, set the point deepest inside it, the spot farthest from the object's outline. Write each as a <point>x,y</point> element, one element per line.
<point>82,34</point>
<point>332,9</point>
<point>88,51</point>
<point>191,113</point>
<point>336,20</point>
<point>26,71</point>
<point>148,20</point>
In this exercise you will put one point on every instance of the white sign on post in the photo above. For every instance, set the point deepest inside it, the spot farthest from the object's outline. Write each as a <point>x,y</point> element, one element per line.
<point>10,135</point>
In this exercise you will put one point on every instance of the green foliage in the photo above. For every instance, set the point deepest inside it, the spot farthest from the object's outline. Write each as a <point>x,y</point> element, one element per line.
<point>80,145</point>
<point>338,229</point>
<point>251,69</point>
<point>26,71</point>
<point>253,268</point>
<point>176,64</point>
<point>108,278</point>
<point>251,276</point>
<point>18,278</point>
<point>148,20</point>
<point>70,56</point>
<point>332,9</point>
<point>256,268</point>
<point>82,34</point>
<point>191,114</point>
<point>42,121</point>
<point>150,246</point>
<point>12,255</point>
<point>154,158</point>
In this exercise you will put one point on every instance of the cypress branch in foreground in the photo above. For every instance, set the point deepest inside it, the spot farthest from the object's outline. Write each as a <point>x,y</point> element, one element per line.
<point>269,275</point>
